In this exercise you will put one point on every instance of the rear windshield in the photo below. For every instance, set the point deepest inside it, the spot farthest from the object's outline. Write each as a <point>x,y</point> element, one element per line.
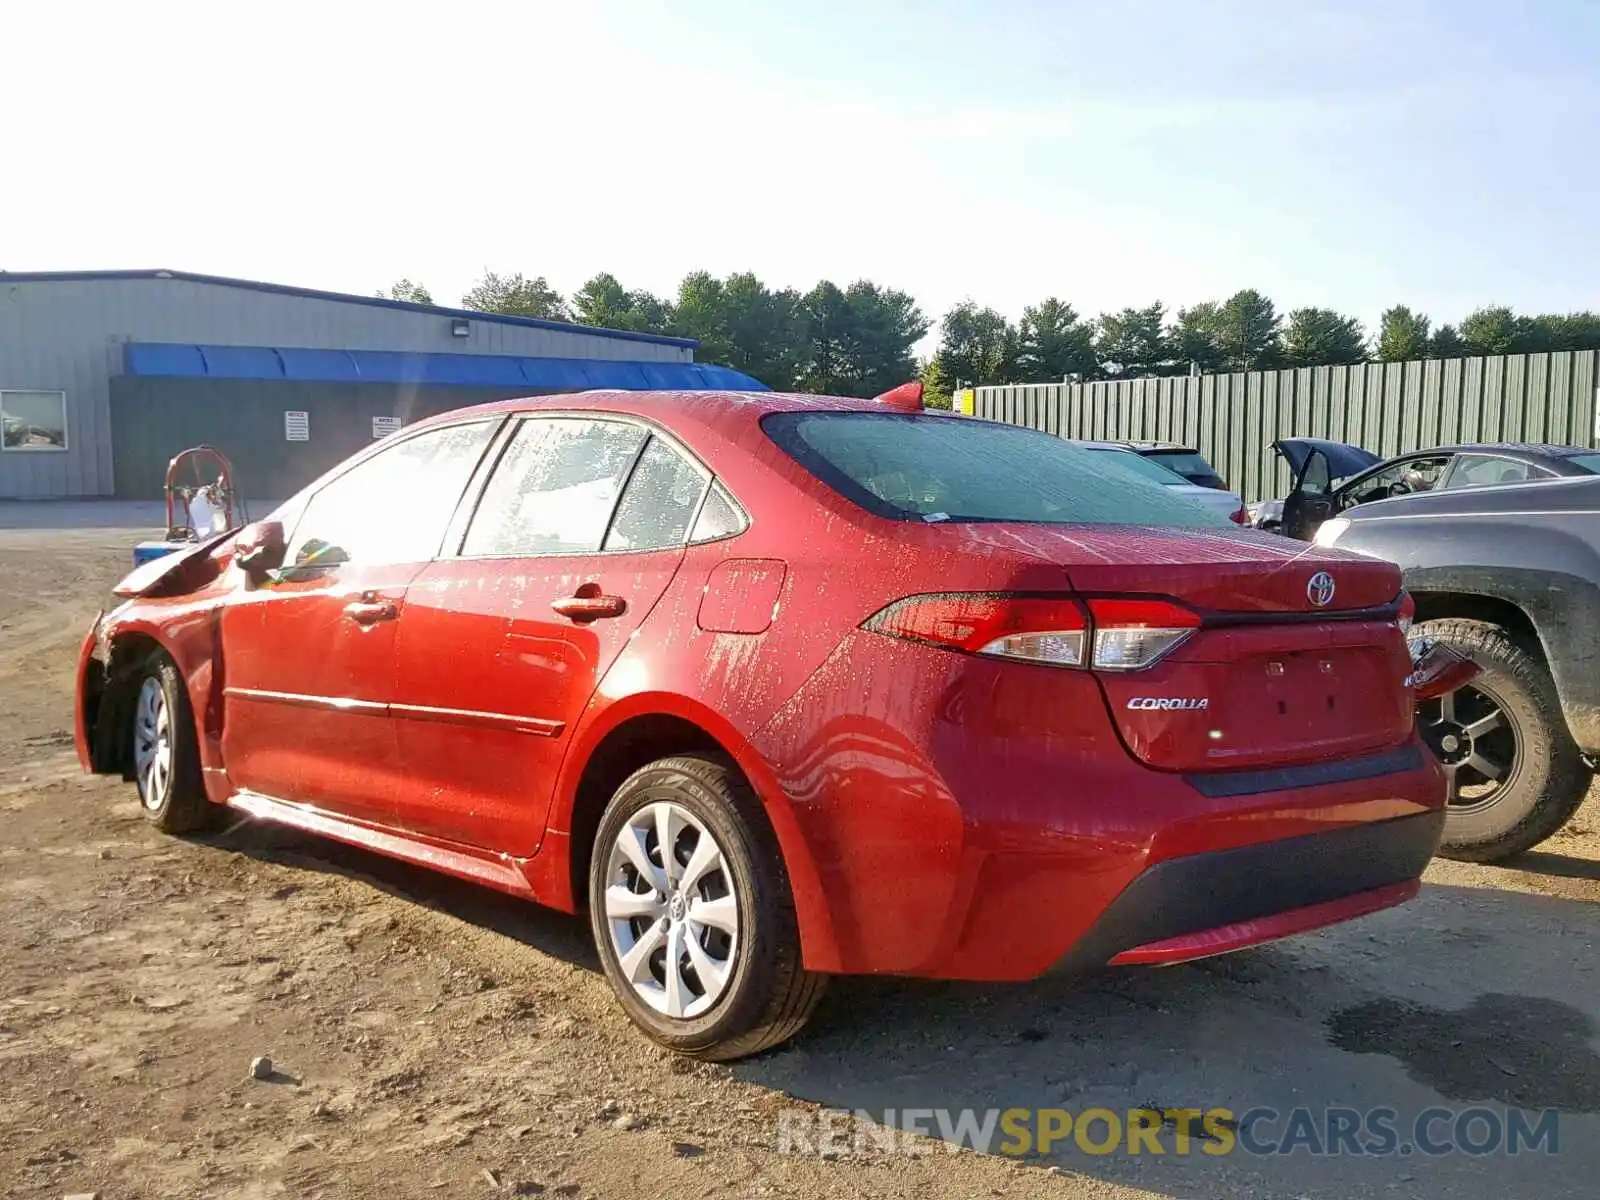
<point>1187,463</point>
<point>1146,468</point>
<point>922,467</point>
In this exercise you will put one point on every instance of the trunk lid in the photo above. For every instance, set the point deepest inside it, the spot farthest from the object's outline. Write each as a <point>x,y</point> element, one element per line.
<point>1223,571</point>
<point>1290,664</point>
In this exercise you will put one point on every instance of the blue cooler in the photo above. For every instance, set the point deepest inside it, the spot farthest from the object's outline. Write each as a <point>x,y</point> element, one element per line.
<point>149,551</point>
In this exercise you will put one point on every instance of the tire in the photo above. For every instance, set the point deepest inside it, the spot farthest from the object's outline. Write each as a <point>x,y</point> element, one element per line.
<point>164,751</point>
<point>763,996</point>
<point>1546,779</point>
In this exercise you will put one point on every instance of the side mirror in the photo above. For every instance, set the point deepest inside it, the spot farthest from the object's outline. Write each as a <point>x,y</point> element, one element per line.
<point>259,548</point>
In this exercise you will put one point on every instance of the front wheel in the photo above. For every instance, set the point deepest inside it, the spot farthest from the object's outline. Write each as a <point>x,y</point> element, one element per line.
<point>166,756</point>
<point>1516,776</point>
<point>692,913</point>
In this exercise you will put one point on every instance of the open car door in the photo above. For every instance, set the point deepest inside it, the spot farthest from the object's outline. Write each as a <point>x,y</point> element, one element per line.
<point>1310,502</point>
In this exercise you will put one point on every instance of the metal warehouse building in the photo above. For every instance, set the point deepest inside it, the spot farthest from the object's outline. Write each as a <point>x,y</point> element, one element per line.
<point>105,375</point>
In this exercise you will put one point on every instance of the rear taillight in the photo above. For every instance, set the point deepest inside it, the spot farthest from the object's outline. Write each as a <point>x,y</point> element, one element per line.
<point>1241,515</point>
<point>1046,630</point>
<point>1125,634</point>
<point>1408,613</point>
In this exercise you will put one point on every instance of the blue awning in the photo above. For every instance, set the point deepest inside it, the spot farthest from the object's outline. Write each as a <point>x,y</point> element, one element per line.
<point>172,360</point>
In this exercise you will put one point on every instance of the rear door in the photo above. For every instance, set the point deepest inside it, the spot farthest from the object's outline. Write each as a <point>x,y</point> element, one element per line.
<point>308,659</point>
<point>579,530</point>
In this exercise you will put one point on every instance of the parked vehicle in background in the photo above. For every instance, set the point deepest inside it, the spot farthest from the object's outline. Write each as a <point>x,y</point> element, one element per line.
<point>1154,469</point>
<point>1511,576</point>
<point>1185,460</point>
<point>1331,477</point>
<point>779,687</point>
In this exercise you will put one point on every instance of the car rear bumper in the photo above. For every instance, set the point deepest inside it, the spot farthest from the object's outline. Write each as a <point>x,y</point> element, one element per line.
<point>982,821</point>
<point>1221,900</point>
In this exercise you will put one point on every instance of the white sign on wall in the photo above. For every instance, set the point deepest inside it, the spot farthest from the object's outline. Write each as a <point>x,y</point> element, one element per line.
<point>296,427</point>
<point>382,427</point>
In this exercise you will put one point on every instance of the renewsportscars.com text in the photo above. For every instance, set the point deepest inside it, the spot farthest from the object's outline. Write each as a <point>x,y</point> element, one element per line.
<point>1262,1131</point>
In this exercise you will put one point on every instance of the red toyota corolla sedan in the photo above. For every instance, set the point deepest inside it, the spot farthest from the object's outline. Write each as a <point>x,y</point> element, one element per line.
<point>780,687</point>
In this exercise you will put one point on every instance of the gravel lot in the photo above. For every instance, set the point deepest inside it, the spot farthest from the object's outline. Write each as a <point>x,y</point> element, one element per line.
<point>431,1039</point>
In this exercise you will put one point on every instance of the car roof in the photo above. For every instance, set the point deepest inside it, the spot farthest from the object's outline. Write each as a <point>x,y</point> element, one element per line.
<point>703,408</point>
<point>1522,449</point>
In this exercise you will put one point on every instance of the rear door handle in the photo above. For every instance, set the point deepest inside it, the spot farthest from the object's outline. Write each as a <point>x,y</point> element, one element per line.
<point>369,610</point>
<point>589,604</point>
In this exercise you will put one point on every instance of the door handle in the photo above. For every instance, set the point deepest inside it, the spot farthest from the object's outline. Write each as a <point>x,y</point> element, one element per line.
<point>369,610</point>
<point>589,604</point>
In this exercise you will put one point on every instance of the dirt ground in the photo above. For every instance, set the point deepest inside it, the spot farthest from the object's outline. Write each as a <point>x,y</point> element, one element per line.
<point>432,1039</point>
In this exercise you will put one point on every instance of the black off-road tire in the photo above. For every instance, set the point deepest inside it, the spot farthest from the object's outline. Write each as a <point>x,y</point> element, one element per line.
<point>769,995</point>
<point>179,804</point>
<point>1551,779</point>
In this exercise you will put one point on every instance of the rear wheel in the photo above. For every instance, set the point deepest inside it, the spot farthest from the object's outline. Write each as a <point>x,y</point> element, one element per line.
<point>692,913</point>
<point>166,757</point>
<point>1516,776</point>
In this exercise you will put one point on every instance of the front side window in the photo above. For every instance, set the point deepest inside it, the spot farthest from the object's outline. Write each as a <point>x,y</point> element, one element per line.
<point>33,420</point>
<point>1316,479</point>
<point>392,508</point>
<point>555,488</point>
<point>1398,479</point>
<point>923,467</point>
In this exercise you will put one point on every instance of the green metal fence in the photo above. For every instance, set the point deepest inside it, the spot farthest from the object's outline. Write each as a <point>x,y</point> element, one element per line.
<point>1389,408</point>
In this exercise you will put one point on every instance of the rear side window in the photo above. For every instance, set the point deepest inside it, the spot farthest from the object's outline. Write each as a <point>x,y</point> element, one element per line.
<point>719,518</point>
<point>660,501</point>
<point>1486,470</point>
<point>555,488</point>
<point>918,466</point>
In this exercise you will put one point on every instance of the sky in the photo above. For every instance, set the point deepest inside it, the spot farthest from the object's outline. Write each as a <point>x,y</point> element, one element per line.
<point>1349,154</point>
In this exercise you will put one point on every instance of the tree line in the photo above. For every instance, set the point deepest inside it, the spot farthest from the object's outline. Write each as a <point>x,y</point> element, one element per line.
<point>857,340</point>
<point>860,339</point>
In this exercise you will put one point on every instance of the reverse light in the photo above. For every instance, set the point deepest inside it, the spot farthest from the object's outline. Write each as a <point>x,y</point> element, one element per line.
<point>1124,634</point>
<point>1132,634</point>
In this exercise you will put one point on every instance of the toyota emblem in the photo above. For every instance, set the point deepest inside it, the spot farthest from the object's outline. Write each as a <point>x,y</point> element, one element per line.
<point>1319,589</point>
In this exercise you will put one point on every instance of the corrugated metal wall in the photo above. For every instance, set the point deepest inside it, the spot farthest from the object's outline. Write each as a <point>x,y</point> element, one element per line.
<point>1389,408</point>
<point>154,418</point>
<point>66,335</point>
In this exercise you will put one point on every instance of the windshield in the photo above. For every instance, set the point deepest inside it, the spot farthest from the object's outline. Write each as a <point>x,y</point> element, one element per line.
<point>918,466</point>
<point>1589,462</point>
<point>1145,468</point>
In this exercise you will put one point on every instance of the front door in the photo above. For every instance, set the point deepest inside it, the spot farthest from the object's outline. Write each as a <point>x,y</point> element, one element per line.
<point>1310,502</point>
<point>580,529</point>
<point>308,657</point>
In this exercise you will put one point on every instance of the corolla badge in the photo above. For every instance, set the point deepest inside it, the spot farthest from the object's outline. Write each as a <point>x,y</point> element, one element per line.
<point>1319,589</point>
